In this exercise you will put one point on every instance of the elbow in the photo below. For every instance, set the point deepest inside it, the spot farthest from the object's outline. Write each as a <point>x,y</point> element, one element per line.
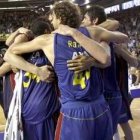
<point>117,24</point>
<point>8,43</point>
<point>12,50</point>
<point>125,39</point>
<point>6,56</point>
<point>1,74</point>
<point>106,61</point>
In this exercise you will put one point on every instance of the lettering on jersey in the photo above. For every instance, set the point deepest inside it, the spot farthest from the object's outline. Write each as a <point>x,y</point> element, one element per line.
<point>81,78</point>
<point>73,44</point>
<point>75,54</point>
<point>30,77</point>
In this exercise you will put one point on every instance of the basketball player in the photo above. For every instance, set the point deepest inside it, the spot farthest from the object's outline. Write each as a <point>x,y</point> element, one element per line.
<point>97,16</point>
<point>40,101</point>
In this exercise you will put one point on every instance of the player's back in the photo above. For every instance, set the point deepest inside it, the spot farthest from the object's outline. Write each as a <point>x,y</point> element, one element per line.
<point>40,100</point>
<point>85,86</point>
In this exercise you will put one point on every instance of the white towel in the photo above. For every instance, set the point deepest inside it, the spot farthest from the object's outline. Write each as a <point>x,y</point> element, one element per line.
<point>13,130</point>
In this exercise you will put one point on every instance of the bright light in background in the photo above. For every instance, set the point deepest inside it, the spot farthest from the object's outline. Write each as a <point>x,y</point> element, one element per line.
<point>112,9</point>
<point>51,6</point>
<point>13,8</point>
<point>17,0</point>
<point>43,9</point>
<point>36,11</point>
<point>87,1</point>
<point>60,1</point>
<point>137,2</point>
<point>88,6</point>
<point>73,0</point>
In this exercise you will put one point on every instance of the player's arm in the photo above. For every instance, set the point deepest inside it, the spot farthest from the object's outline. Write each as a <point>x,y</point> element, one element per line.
<point>12,54</point>
<point>27,47</point>
<point>11,38</point>
<point>13,58</point>
<point>106,35</point>
<point>82,63</point>
<point>110,24</point>
<point>94,48</point>
<point>21,32</point>
<point>137,78</point>
<point>108,52</point>
<point>4,68</point>
<point>126,55</point>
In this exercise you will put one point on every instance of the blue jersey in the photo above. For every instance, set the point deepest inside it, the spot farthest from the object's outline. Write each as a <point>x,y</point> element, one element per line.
<point>8,88</point>
<point>85,86</point>
<point>109,74</point>
<point>122,78</point>
<point>39,98</point>
<point>122,75</point>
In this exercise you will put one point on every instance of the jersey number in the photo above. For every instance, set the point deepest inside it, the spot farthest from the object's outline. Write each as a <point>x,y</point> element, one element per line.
<point>81,78</point>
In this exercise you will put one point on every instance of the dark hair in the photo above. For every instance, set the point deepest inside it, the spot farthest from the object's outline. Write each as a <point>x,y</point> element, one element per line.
<point>97,11</point>
<point>39,26</point>
<point>68,12</point>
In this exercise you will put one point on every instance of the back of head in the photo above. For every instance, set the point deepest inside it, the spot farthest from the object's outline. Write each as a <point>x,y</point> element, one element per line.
<point>68,12</point>
<point>41,26</point>
<point>95,12</point>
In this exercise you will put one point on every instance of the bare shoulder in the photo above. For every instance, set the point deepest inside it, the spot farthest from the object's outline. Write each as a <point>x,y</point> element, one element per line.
<point>94,32</point>
<point>95,28</point>
<point>44,38</point>
<point>45,41</point>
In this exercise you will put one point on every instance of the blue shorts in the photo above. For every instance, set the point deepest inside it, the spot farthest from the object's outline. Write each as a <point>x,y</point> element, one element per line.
<point>114,100</point>
<point>85,121</point>
<point>41,131</point>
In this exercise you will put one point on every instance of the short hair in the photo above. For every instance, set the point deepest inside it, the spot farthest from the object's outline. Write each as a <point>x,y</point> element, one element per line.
<point>69,13</point>
<point>96,11</point>
<point>40,25</point>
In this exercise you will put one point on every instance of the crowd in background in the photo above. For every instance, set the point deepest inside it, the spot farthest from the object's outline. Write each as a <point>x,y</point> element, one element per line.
<point>10,21</point>
<point>130,25</point>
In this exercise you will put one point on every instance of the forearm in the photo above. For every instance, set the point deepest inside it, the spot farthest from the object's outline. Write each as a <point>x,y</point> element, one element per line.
<point>92,62</point>
<point>20,63</point>
<point>11,38</point>
<point>131,60</point>
<point>116,37</point>
<point>108,36</point>
<point>91,46</point>
<point>5,67</point>
<point>99,65</point>
<point>111,25</point>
